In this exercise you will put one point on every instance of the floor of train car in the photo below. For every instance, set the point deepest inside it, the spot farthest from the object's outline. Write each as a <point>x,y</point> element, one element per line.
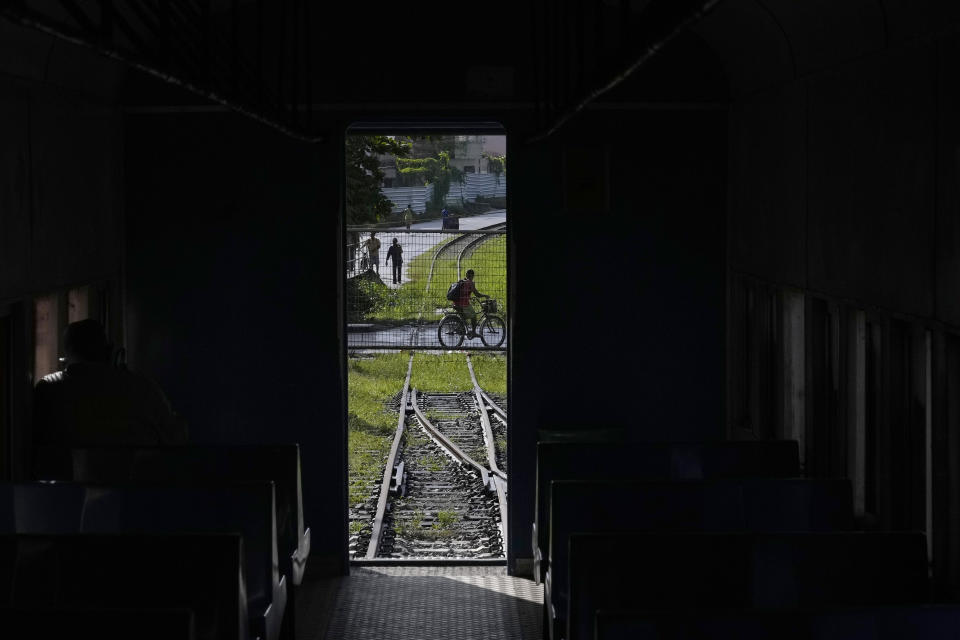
<point>424,602</point>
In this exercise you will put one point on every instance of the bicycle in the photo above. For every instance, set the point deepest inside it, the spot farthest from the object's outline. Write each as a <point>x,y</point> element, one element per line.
<point>491,330</point>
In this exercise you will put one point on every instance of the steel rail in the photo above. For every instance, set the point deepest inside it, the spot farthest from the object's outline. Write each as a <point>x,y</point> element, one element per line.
<point>447,444</point>
<point>384,497</point>
<point>495,481</point>
<point>490,403</point>
<point>500,478</point>
<point>485,424</point>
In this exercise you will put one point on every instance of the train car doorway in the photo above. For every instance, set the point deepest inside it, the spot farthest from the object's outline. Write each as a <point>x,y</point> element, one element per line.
<point>426,318</point>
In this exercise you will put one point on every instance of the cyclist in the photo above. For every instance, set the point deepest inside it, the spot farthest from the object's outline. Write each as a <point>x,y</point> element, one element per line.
<point>462,303</point>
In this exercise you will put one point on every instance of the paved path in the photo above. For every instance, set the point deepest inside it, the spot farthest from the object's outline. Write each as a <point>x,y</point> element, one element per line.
<point>414,243</point>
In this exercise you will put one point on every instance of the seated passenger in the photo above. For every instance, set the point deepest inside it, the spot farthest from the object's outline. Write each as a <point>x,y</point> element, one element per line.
<point>95,402</point>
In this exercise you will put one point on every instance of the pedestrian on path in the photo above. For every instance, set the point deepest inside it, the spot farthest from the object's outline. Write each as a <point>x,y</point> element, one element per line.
<point>373,250</point>
<point>407,216</point>
<point>396,252</point>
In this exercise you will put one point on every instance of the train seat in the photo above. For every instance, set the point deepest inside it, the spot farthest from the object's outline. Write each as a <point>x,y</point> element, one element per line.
<point>760,505</point>
<point>917,622</point>
<point>193,465</point>
<point>692,571</point>
<point>655,461</point>
<point>248,509</point>
<point>130,572</point>
<point>57,623</point>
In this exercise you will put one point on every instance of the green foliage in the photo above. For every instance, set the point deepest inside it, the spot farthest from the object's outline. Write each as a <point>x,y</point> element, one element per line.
<point>445,519</point>
<point>496,164</point>
<point>432,170</point>
<point>365,203</point>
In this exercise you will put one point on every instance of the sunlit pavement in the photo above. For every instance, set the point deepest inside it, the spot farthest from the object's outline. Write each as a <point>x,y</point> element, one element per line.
<point>368,336</point>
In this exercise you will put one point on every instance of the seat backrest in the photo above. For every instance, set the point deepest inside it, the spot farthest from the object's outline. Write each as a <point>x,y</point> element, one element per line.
<point>247,509</point>
<point>200,572</point>
<point>758,505</point>
<point>918,622</point>
<point>54,623</point>
<point>656,461</point>
<point>34,508</point>
<point>192,465</point>
<point>728,570</point>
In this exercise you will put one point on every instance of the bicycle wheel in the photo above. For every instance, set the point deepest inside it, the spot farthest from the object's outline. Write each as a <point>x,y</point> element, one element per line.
<point>451,332</point>
<point>492,331</point>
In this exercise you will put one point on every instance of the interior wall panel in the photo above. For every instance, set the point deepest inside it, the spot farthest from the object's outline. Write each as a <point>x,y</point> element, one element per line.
<point>871,186</point>
<point>768,199</point>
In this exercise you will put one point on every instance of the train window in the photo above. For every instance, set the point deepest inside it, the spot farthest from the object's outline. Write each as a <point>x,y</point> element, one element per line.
<point>857,386</point>
<point>6,382</point>
<point>794,362</point>
<point>78,304</point>
<point>927,365</point>
<point>873,412</point>
<point>46,335</point>
<point>427,357</point>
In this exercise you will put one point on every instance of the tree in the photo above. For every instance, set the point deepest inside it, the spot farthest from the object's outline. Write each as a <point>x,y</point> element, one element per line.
<point>497,165</point>
<point>365,203</point>
<point>436,171</point>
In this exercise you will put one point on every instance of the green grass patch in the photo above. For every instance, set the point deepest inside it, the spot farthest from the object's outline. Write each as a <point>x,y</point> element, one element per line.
<point>371,382</point>
<point>491,372</point>
<point>445,519</point>
<point>448,373</point>
<point>441,373</point>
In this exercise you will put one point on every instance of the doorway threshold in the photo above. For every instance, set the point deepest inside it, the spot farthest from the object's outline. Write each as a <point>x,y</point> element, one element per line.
<point>429,562</point>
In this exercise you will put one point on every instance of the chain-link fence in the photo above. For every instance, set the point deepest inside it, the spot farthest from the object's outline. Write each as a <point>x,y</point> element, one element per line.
<point>398,284</point>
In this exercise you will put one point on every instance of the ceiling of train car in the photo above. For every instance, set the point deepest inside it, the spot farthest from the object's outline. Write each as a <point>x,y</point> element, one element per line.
<point>765,43</point>
<point>273,59</point>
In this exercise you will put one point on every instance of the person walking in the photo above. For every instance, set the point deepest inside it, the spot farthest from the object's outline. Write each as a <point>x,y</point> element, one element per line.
<point>407,217</point>
<point>396,252</point>
<point>373,250</point>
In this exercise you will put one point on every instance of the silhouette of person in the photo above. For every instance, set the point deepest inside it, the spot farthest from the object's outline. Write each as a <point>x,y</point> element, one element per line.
<point>396,252</point>
<point>94,402</point>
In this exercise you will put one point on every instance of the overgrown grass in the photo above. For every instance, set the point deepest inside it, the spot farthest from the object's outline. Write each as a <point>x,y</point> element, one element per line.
<point>491,372</point>
<point>371,382</point>
<point>448,373</point>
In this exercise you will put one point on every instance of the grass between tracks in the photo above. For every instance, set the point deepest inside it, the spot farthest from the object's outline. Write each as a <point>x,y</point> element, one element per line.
<point>404,303</point>
<point>372,382</point>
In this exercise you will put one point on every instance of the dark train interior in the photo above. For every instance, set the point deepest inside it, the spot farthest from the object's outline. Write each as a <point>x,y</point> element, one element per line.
<point>734,274</point>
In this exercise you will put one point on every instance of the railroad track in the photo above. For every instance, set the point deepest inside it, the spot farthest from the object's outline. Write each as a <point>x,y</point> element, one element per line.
<point>444,487</point>
<point>443,492</point>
